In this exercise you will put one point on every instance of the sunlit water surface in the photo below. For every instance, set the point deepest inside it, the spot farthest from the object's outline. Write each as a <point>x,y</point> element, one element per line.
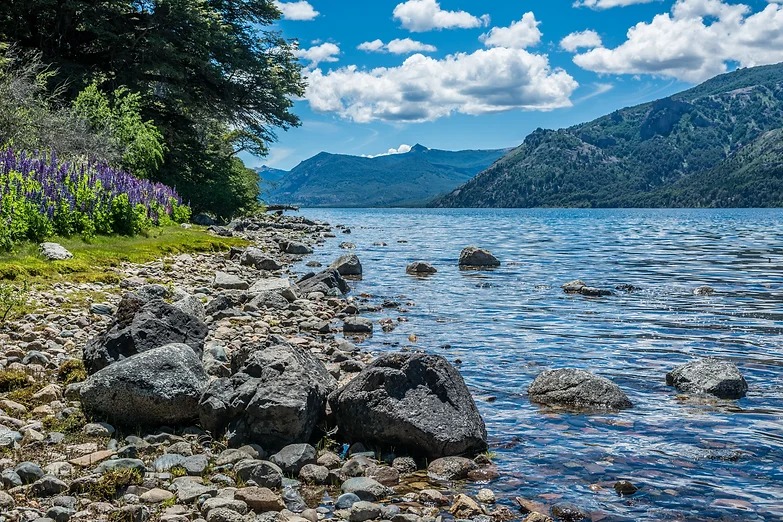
<point>692,459</point>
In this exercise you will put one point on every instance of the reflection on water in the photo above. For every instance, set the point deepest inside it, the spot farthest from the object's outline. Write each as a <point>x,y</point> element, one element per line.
<point>693,459</point>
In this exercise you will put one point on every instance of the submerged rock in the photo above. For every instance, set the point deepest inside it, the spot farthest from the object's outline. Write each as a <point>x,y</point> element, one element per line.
<point>703,290</point>
<point>713,376</point>
<point>414,402</point>
<point>420,268</point>
<point>577,389</point>
<point>578,286</point>
<point>477,257</point>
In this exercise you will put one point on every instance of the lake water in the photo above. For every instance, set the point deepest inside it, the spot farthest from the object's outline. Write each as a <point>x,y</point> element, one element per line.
<point>694,459</point>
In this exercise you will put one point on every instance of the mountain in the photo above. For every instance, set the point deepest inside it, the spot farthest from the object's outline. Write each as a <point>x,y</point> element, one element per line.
<point>409,179</point>
<point>715,145</point>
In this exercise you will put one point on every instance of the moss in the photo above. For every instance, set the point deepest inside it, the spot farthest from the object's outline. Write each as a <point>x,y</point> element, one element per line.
<point>111,483</point>
<point>178,471</point>
<point>71,424</point>
<point>93,261</point>
<point>11,380</point>
<point>72,371</point>
<point>169,502</point>
<point>24,396</point>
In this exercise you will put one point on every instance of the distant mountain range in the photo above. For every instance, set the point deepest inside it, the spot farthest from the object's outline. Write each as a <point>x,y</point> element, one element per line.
<point>408,179</point>
<point>719,144</point>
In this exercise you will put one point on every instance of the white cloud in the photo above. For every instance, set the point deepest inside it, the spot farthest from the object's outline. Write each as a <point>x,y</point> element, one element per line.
<point>301,10</point>
<point>397,46</point>
<point>518,35</point>
<point>402,149</point>
<point>694,42</point>
<point>326,52</point>
<point>581,40</point>
<point>425,15</point>
<point>425,89</point>
<point>608,4</point>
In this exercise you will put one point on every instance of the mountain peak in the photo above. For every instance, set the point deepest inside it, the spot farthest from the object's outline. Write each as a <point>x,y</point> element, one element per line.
<point>419,148</point>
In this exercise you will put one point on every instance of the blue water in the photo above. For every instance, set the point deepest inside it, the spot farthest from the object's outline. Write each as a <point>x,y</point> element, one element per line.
<point>693,459</point>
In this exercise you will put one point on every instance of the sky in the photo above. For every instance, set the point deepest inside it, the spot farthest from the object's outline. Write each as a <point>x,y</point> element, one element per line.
<point>472,74</point>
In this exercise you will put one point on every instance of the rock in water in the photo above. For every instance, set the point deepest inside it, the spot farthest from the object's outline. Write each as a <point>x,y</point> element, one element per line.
<point>276,398</point>
<point>296,248</point>
<point>477,257</point>
<point>413,401</point>
<point>347,265</point>
<point>323,282</point>
<point>577,389</point>
<point>420,268</point>
<point>54,252</point>
<point>161,386</point>
<point>719,378</point>
<point>140,327</point>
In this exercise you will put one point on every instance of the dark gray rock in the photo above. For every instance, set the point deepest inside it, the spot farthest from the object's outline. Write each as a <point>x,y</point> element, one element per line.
<point>567,512</point>
<point>161,386</point>
<point>420,268</point>
<point>276,398</point>
<point>264,473</point>
<point>346,500</point>
<point>712,376</point>
<point>477,258</point>
<point>414,402</point>
<point>356,324</point>
<point>139,327</point>
<point>54,252</point>
<point>60,514</point>
<point>323,282</point>
<point>115,464</point>
<point>28,472</point>
<point>366,488</point>
<point>292,457</point>
<point>259,259</point>
<point>296,248</point>
<point>267,300</point>
<point>578,389</point>
<point>192,305</point>
<point>347,265</point>
<point>47,486</point>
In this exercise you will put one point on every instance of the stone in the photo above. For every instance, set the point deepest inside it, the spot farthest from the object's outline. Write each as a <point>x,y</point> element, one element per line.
<point>6,502</point>
<point>259,260</point>
<point>47,486</point>
<point>292,457</point>
<point>347,265</point>
<point>432,496</point>
<point>101,309</point>
<point>477,258</point>
<point>115,464</point>
<point>346,501</point>
<point>189,491</point>
<point>386,475</point>
<point>420,268</point>
<point>450,468</point>
<point>415,402</point>
<point>260,499</point>
<point>191,305</point>
<point>226,281</point>
<point>264,473</point>
<point>577,389</point>
<point>329,279</point>
<point>465,507</point>
<point>29,472</point>
<point>535,516</point>
<point>139,327</point>
<point>314,474</point>
<point>356,324</point>
<point>567,512</point>
<point>279,285</point>
<point>573,287</point>
<point>296,248</point>
<point>485,496</point>
<point>92,459</point>
<point>98,429</point>
<point>54,252</point>
<point>709,376</point>
<point>224,515</point>
<point>625,488</point>
<point>167,461</point>
<point>366,488</point>
<point>59,513</point>
<point>161,386</point>
<point>329,460</point>
<point>239,506</point>
<point>703,290</point>
<point>277,397</point>
<point>362,511</point>
<point>405,465</point>
<point>267,300</point>
<point>156,496</point>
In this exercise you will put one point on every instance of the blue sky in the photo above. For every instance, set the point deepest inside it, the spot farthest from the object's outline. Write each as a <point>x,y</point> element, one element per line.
<point>470,74</point>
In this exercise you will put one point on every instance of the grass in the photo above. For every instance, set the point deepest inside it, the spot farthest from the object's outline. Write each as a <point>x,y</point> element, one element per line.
<point>91,260</point>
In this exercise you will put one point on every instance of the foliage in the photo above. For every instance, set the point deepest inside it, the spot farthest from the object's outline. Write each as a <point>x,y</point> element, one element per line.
<point>211,76</point>
<point>41,196</point>
<point>11,380</point>
<point>111,483</point>
<point>11,297</point>
<point>714,145</point>
<point>120,118</point>
<point>72,371</point>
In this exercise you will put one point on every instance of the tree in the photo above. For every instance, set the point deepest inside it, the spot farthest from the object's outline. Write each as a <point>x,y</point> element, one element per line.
<point>210,74</point>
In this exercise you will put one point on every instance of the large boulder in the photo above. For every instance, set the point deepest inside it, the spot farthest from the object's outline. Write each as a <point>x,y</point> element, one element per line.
<point>477,258</point>
<point>280,285</point>
<point>347,265</point>
<point>276,398</point>
<point>415,402</point>
<point>323,282</point>
<point>139,327</point>
<point>296,248</point>
<point>712,376</point>
<point>577,389</point>
<point>161,386</point>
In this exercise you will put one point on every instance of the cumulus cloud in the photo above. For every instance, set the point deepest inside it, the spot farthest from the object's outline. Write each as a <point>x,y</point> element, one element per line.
<point>518,35</point>
<point>402,149</point>
<point>326,52</point>
<point>608,4</point>
<point>581,40</point>
<point>397,46</point>
<point>694,42</point>
<point>425,89</point>
<point>301,10</point>
<point>425,15</point>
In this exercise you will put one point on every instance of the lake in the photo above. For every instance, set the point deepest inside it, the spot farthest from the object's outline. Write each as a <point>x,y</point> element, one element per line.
<point>692,458</point>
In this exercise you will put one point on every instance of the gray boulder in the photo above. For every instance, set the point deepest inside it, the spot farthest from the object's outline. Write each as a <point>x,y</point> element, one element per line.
<point>276,398</point>
<point>258,259</point>
<point>296,248</point>
<point>139,327</point>
<point>578,389</point>
<point>366,489</point>
<point>323,282</point>
<point>712,376</point>
<point>420,268</point>
<point>192,305</point>
<point>347,265</point>
<point>226,281</point>
<point>477,257</point>
<point>264,473</point>
<point>356,324</point>
<point>267,300</point>
<point>293,457</point>
<point>161,386</point>
<point>280,285</point>
<point>414,402</point>
<point>54,252</point>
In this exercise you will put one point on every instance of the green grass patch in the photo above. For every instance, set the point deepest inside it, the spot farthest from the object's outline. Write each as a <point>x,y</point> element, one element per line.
<point>91,259</point>
<point>11,380</point>
<point>72,371</point>
<point>113,482</point>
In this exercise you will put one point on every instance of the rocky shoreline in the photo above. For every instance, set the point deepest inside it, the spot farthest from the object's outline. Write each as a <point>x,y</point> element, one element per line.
<point>213,387</point>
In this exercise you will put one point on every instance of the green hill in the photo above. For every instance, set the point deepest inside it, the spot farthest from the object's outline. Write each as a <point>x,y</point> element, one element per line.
<point>410,179</point>
<point>717,144</point>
